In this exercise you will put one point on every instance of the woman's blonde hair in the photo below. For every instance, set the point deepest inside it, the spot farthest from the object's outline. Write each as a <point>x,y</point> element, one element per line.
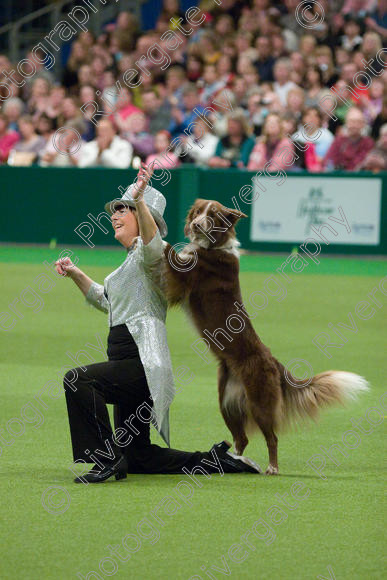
<point>378,41</point>
<point>278,117</point>
<point>239,116</point>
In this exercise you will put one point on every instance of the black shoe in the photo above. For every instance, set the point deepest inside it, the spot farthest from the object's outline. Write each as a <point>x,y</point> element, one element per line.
<point>232,463</point>
<point>223,446</point>
<point>118,469</point>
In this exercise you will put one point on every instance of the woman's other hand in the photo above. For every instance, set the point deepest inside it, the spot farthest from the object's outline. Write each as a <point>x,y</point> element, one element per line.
<point>65,267</point>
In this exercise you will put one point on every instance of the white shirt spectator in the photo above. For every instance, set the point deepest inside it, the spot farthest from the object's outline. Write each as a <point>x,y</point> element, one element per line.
<point>201,155</point>
<point>50,156</point>
<point>118,154</point>
<point>322,142</point>
<point>282,91</point>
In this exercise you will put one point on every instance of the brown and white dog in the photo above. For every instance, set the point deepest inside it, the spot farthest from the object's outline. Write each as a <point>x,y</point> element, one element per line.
<point>255,389</point>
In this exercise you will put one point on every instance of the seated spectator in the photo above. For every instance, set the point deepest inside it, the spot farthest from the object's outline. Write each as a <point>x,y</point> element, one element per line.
<point>351,40</point>
<point>305,159</point>
<point>163,158</point>
<point>41,72</point>
<point>55,102</point>
<point>157,111</point>
<point>107,150</point>
<point>307,45</point>
<point>175,81</point>
<point>184,115</point>
<point>194,68</point>
<point>209,50</point>
<point>85,76</point>
<point>282,84</point>
<point>298,68</point>
<point>358,7</point>
<point>279,44</point>
<point>79,55</point>
<point>70,111</point>
<point>314,84</point>
<point>272,148</point>
<point>250,78</point>
<point>124,109</point>
<point>13,109</point>
<point>8,138</point>
<point>171,9</point>
<point>45,127</point>
<point>98,68</point>
<point>225,67</point>
<point>373,106</point>
<point>138,136</point>
<point>372,44</point>
<point>342,56</point>
<point>349,149</point>
<point>125,31</point>
<point>212,84</point>
<point>110,91</point>
<point>377,20</point>
<point>289,124</point>
<point>324,60</point>
<point>265,62</point>
<point>348,77</point>
<point>256,112</point>
<point>376,159</point>
<point>66,152</point>
<point>239,92</point>
<point>30,142</point>
<point>203,144</point>
<point>295,102</point>
<point>39,99</point>
<point>312,131</point>
<point>380,120</point>
<point>224,26</point>
<point>87,95</point>
<point>234,149</point>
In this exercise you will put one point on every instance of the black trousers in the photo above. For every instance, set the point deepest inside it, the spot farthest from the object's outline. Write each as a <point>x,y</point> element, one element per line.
<point>121,382</point>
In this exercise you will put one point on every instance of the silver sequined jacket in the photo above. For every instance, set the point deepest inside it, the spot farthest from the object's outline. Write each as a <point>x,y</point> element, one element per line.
<point>135,297</point>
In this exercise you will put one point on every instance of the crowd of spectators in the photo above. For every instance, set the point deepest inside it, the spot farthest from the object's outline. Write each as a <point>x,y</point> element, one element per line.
<point>263,72</point>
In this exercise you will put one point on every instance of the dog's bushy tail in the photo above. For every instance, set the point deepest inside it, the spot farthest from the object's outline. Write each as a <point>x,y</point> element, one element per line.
<point>325,389</point>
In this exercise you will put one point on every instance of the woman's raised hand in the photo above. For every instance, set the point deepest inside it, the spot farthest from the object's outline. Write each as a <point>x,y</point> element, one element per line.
<point>65,267</point>
<point>143,177</point>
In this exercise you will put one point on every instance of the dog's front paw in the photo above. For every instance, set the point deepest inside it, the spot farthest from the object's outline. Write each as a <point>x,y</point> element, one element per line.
<point>271,470</point>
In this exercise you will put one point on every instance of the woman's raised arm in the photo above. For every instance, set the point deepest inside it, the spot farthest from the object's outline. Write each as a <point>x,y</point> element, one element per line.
<point>146,223</point>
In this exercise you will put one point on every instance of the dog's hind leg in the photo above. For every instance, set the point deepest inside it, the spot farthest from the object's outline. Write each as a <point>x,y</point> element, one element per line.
<point>232,401</point>
<point>264,419</point>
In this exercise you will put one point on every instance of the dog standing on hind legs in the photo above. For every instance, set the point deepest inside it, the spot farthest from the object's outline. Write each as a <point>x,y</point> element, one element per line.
<point>255,389</point>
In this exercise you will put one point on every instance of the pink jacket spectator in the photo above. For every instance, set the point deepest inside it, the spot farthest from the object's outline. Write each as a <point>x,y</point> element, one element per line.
<point>128,110</point>
<point>168,160</point>
<point>312,162</point>
<point>6,144</point>
<point>280,157</point>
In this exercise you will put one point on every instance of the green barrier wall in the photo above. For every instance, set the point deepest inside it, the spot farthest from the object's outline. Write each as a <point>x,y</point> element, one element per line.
<point>39,204</point>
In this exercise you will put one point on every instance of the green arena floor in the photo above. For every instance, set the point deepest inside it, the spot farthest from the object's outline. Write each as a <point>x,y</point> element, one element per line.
<point>321,518</point>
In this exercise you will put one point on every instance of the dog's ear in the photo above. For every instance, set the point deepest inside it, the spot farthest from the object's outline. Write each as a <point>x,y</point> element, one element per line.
<point>233,215</point>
